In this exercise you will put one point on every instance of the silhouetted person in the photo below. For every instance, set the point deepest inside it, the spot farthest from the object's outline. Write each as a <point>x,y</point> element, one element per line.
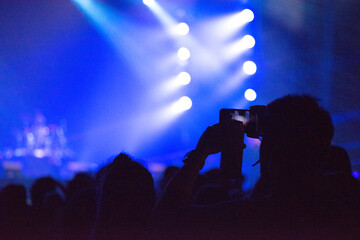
<point>80,211</point>
<point>209,194</point>
<point>80,182</point>
<point>47,202</point>
<point>345,189</point>
<point>337,161</point>
<point>80,214</point>
<point>126,197</point>
<point>292,199</point>
<point>167,175</point>
<point>208,190</point>
<point>14,213</point>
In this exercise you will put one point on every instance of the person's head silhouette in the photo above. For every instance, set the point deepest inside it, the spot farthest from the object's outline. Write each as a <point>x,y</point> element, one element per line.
<point>296,135</point>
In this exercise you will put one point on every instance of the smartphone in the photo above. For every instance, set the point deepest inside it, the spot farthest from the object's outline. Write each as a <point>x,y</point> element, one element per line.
<point>231,159</point>
<point>227,114</point>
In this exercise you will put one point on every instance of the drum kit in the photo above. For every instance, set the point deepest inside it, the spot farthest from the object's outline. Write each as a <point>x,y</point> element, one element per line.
<point>36,143</point>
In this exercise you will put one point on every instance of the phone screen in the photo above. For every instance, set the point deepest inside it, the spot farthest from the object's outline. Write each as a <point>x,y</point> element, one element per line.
<point>235,114</point>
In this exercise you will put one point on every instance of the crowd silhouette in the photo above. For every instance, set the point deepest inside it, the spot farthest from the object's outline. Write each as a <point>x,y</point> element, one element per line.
<point>305,191</point>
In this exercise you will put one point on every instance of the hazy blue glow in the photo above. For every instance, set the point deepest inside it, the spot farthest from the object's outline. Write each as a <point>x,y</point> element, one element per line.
<point>143,121</point>
<point>223,28</point>
<point>104,18</point>
<point>161,14</point>
<point>114,27</point>
<point>170,86</point>
<point>231,83</point>
<point>236,48</point>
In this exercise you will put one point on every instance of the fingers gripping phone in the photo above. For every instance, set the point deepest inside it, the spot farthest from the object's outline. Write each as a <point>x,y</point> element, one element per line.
<point>231,159</point>
<point>253,121</point>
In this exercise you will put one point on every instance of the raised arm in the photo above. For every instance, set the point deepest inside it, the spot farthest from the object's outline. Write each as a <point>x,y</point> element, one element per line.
<point>172,210</point>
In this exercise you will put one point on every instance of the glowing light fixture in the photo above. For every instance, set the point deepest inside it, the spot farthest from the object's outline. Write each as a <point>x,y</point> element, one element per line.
<point>148,2</point>
<point>248,41</point>
<point>182,29</point>
<point>235,49</point>
<point>250,95</point>
<point>249,67</point>
<point>39,153</point>
<point>167,20</point>
<point>184,53</point>
<point>355,174</point>
<point>245,16</point>
<point>183,104</point>
<point>184,78</point>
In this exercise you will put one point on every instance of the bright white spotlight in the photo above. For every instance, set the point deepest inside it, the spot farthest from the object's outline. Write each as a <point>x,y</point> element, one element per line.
<point>234,49</point>
<point>250,95</point>
<point>248,41</point>
<point>183,104</point>
<point>249,67</point>
<point>246,16</point>
<point>184,78</point>
<point>182,29</point>
<point>184,53</point>
<point>148,2</point>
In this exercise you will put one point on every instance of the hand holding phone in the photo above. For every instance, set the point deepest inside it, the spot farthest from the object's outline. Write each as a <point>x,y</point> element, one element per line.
<point>221,137</point>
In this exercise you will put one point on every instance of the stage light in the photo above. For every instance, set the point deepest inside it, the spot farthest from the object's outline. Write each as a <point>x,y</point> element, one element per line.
<point>148,2</point>
<point>39,153</point>
<point>183,104</point>
<point>355,174</point>
<point>85,3</point>
<point>235,49</point>
<point>169,86</point>
<point>30,137</point>
<point>167,20</point>
<point>184,78</point>
<point>249,67</point>
<point>245,16</point>
<point>248,41</point>
<point>182,29</point>
<point>225,27</point>
<point>250,95</point>
<point>157,167</point>
<point>184,53</point>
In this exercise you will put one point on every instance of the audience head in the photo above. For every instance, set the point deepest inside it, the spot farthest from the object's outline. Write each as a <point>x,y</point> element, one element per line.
<point>167,175</point>
<point>296,135</point>
<point>13,196</point>
<point>45,192</point>
<point>126,196</point>
<point>80,182</point>
<point>337,162</point>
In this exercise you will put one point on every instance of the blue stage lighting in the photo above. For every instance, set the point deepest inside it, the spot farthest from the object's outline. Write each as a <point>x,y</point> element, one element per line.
<point>250,95</point>
<point>249,67</point>
<point>233,50</point>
